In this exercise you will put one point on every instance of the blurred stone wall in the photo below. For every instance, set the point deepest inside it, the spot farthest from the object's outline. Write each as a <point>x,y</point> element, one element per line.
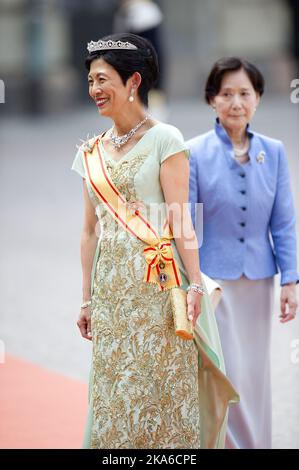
<point>42,45</point>
<point>197,32</point>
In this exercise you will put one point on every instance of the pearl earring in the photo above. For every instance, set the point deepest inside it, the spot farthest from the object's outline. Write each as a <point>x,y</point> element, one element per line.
<point>131,97</point>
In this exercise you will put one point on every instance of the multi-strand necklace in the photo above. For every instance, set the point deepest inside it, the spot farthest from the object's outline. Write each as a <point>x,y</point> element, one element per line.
<point>239,152</point>
<point>119,140</point>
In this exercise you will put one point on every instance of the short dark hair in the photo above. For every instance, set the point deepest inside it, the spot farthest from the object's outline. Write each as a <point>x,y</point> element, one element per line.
<point>232,64</point>
<point>143,60</point>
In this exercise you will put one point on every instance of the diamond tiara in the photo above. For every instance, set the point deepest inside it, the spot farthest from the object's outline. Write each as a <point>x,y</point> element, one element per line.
<point>100,45</point>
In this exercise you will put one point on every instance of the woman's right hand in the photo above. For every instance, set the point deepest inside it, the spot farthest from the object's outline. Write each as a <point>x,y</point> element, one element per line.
<point>84,323</point>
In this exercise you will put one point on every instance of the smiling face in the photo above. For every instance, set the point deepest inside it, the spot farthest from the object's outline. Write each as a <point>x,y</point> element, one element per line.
<point>236,101</point>
<point>107,89</point>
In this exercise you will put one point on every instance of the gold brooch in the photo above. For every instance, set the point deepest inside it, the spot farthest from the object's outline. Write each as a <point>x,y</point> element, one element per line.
<point>261,157</point>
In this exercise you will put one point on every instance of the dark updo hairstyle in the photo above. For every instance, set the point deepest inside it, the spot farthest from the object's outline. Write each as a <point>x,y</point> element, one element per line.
<point>232,64</point>
<point>143,60</point>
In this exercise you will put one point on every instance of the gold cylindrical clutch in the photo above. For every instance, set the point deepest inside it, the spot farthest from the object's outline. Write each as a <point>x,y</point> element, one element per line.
<point>183,326</point>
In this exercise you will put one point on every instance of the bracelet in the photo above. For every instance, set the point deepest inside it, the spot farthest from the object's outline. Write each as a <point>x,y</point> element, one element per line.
<point>86,304</point>
<point>196,288</point>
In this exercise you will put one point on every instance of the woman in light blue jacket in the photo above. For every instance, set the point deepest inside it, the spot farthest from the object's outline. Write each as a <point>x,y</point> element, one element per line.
<point>242,179</point>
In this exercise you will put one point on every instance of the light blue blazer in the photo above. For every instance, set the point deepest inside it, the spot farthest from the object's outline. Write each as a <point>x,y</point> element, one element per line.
<point>248,211</point>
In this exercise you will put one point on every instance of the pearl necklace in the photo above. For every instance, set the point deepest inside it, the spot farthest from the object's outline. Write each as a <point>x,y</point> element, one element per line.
<point>243,151</point>
<point>119,141</point>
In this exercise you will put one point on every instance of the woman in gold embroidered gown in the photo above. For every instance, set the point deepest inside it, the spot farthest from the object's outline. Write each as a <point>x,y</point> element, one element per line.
<point>144,386</point>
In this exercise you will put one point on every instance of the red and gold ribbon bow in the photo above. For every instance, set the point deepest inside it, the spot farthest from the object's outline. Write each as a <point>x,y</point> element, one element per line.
<point>161,265</point>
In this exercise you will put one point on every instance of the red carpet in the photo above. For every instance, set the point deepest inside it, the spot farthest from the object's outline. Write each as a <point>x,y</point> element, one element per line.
<point>40,409</point>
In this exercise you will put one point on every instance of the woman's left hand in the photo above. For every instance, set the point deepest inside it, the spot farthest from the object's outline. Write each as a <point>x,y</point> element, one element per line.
<point>194,305</point>
<point>288,297</point>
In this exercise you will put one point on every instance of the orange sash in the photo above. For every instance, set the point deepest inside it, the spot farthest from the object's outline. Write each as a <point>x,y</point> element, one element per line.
<point>161,267</point>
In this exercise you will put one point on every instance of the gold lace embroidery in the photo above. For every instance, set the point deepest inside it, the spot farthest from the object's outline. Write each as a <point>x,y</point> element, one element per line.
<point>145,388</point>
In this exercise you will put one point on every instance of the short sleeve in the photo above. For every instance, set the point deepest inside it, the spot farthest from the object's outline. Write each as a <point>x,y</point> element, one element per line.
<point>78,163</point>
<point>172,142</point>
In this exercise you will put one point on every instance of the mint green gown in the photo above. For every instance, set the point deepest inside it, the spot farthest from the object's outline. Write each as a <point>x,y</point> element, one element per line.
<point>148,387</point>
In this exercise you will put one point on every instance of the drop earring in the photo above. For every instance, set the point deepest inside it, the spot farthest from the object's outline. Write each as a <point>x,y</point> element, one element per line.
<point>131,97</point>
